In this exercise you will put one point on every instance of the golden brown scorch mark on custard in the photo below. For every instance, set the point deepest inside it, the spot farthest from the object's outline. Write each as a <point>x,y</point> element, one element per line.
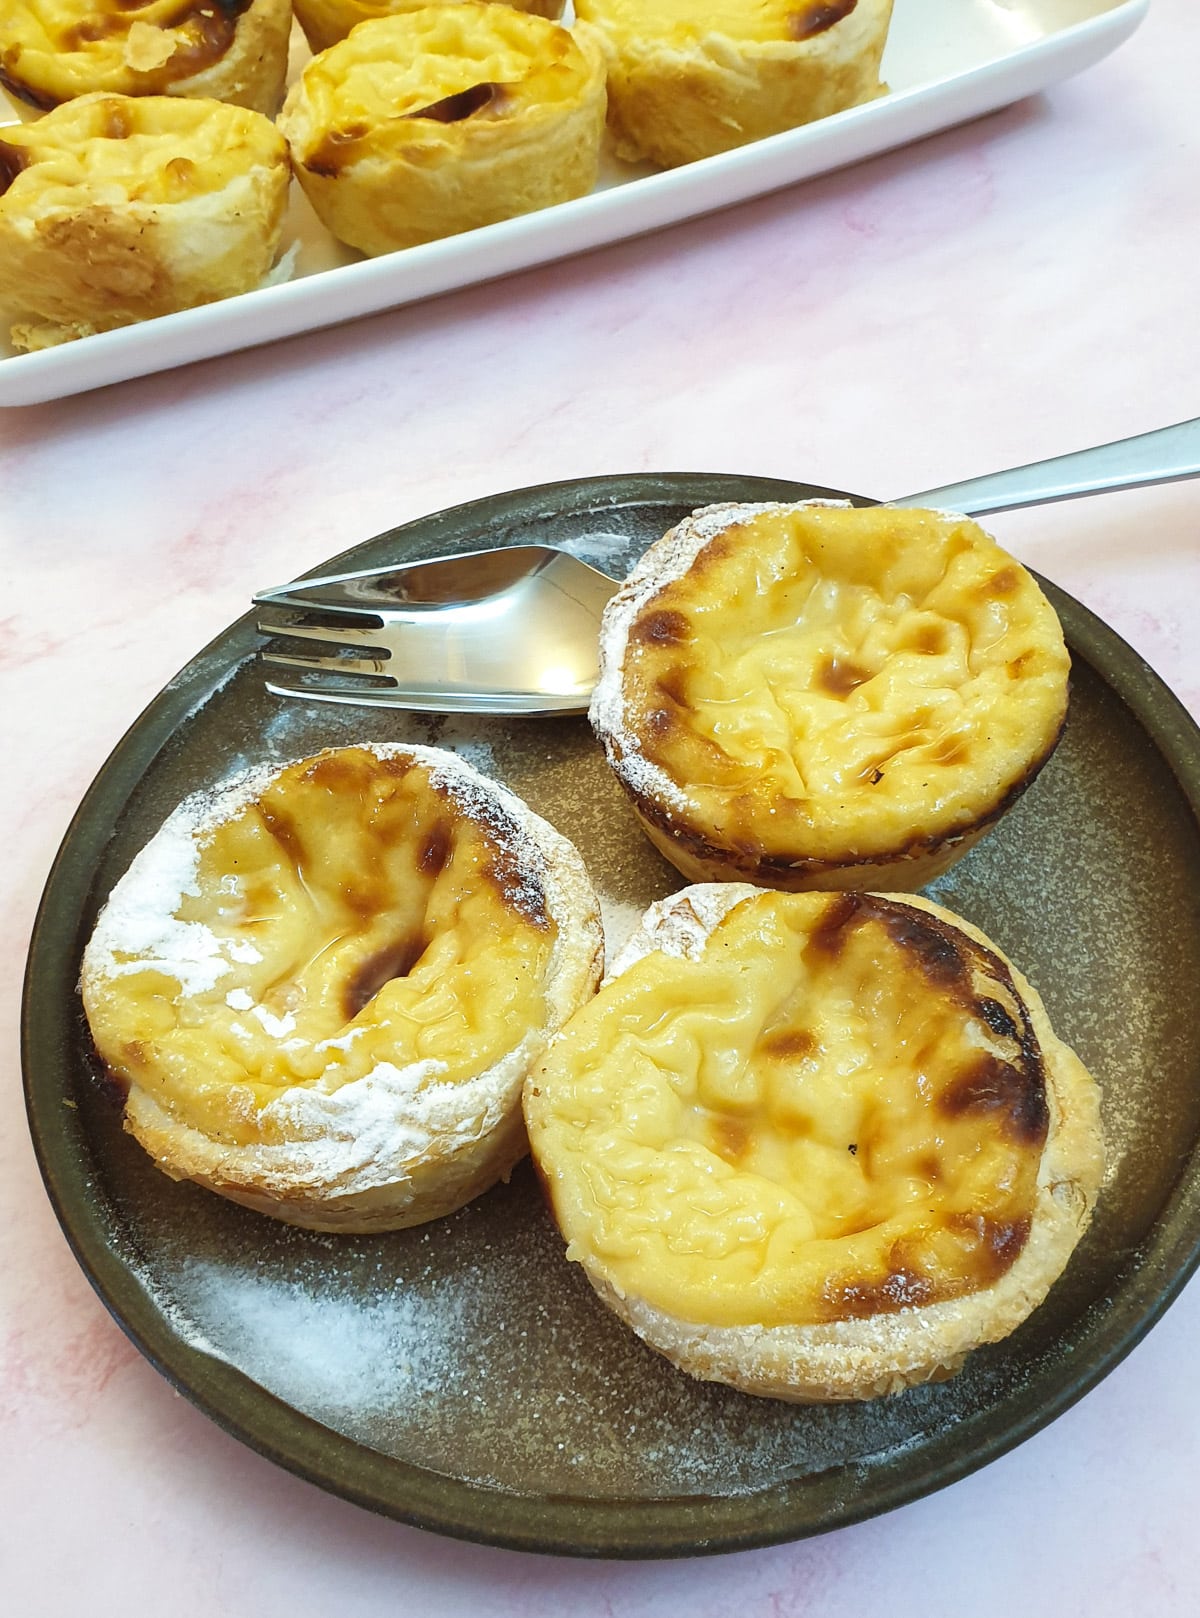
<point>16,86</point>
<point>664,626</point>
<point>988,1249</point>
<point>117,123</point>
<point>900,1288</point>
<point>337,148</point>
<point>788,1044</point>
<point>732,1139</point>
<point>1007,1094</point>
<point>12,160</point>
<point>340,147</point>
<point>992,1247</point>
<point>385,965</point>
<point>91,30</point>
<point>1002,1088</point>
<point>436,849</point>
<point>1003,583</point>
<point>454,109</point>
<point>1014,1091</point>
<point>816,19</point>
<point>838,676</point>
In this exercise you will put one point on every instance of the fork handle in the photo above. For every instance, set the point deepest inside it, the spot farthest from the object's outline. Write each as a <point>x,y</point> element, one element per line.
<point>1168,455</point>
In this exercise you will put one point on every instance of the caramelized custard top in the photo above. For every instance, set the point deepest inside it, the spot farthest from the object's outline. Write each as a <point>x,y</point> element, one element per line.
<point>358,910</point>
<point>53,50</point>
<point>683,21</point>
<point>155,149</point>
<point>815,682</point>
<point>836,1110</point>
<point>430,76</point>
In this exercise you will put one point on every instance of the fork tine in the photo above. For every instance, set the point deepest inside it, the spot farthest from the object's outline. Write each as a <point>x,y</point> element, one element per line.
<point>358,696</point>
<point>376,666</point>
<point>291,599</point>
<point>341,635</point>
<point>390,696</point>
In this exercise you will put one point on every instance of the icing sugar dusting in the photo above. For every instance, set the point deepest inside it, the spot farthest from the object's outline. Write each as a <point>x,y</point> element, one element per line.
<point>367,1128</point>
<point>680,924</point>
<point>139,929</point>
<point>367,1132</point>
<point>277,1027</point>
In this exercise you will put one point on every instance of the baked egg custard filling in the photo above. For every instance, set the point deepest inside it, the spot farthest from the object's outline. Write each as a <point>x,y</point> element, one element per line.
<point>800,690</point>
<point>235,50</point>
<point>808,1114</point>
<point>321,954</point>
<point>847,1121</point>
<point>761,22</point>
<point>442,119</point>
<point>451,51</point>
<point>326,21</point>
<point>114,150</point>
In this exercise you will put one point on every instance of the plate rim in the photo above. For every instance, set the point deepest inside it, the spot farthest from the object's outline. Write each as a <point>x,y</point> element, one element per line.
<point>582,1526</point>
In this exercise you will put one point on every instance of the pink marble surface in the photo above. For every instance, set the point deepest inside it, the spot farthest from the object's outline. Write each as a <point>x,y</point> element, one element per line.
<point>1017,288</point>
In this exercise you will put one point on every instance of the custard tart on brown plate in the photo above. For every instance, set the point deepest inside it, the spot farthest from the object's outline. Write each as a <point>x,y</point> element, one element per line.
<point>818,696</point>
<point>321,985</point>
<point>816,1146</point>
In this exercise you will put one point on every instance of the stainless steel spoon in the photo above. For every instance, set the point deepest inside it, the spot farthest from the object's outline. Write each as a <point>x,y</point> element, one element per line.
<point>514,630</point>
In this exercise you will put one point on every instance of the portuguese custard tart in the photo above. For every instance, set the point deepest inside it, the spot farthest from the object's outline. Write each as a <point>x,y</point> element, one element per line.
<point>688,80</point>
<point>442,119</point>
<point>321,985</point>
<point>231,50</point>
<point>817,1146</point>
<point>115,208</point>
<point>818,696</point>
<point>326,21</point>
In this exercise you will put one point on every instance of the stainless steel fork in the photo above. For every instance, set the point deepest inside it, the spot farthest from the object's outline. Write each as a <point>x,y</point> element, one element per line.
<point>497,631</point>
<point>514,630</point>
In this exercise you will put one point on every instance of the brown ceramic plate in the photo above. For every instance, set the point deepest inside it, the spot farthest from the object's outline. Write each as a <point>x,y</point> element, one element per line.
<point>462,1376</point>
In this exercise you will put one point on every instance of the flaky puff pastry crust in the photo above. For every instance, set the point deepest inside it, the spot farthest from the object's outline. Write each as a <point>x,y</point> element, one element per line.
<point>322,984</point>
<point>230,50</point>
<point>818,1147</point>
<point>443,119</point>
<point>115,209</point>
<point>817,696</point>
<point>691,78</point>
<point>326,21</point>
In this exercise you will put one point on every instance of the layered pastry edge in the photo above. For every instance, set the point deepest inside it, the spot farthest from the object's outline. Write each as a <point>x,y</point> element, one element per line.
<point>678,97</point>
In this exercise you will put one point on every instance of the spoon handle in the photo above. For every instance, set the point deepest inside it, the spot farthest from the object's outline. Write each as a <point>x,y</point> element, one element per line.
<point>1167,455</point>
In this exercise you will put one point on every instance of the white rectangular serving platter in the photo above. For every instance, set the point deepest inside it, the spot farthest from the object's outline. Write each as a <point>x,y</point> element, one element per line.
<point>946,61</point>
